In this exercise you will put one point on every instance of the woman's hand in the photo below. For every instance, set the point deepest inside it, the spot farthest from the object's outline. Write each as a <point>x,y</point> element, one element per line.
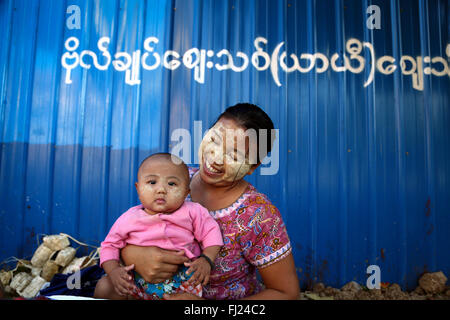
<point>152,263</point>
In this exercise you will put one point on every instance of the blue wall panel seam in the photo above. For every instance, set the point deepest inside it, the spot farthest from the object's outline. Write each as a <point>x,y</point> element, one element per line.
<point>424,46</point>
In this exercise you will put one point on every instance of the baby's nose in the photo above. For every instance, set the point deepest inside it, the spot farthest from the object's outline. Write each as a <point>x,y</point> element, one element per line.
<point>161,189</point>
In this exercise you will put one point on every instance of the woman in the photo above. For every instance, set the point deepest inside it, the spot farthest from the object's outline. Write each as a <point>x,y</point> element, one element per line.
<point>254,234</point>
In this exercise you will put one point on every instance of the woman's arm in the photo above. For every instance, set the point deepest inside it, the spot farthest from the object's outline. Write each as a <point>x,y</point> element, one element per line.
<point>152,263</point>
<point>280,280</point>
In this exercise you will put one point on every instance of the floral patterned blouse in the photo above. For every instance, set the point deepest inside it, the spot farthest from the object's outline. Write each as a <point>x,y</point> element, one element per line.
<point>254,236</point>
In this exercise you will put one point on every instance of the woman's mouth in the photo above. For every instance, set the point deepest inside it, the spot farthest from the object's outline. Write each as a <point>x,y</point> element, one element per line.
<point>209,170</point>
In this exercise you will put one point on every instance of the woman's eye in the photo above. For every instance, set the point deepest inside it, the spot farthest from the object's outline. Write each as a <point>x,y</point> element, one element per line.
<point>214,140</point>
<point>232,156</point>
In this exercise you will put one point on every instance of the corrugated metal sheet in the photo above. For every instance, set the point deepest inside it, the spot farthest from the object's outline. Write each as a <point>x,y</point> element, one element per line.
<point>364,157</point>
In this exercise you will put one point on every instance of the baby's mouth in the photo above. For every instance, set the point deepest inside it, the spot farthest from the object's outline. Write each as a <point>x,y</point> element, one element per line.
<point>160,201</point>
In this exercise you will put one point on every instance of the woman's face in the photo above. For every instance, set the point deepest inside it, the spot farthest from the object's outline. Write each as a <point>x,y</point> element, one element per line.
<point>223,154</point>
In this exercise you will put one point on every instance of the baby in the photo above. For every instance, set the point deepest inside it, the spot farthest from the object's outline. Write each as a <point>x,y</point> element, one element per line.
<point>164,220</point>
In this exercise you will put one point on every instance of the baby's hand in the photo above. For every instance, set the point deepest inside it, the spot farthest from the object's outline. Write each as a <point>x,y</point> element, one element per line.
<point>201,270</point>
<point>121,279</point>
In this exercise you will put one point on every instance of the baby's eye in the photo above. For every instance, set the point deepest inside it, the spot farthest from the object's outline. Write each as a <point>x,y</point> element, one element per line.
<point>172,184</point>
<point>152,182</point>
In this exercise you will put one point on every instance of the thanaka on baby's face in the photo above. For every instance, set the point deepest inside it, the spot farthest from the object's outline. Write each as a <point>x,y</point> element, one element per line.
<point>162,185</point>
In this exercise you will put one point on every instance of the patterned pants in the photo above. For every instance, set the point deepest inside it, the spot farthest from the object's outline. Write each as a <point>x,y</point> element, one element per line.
<point>155,291</point>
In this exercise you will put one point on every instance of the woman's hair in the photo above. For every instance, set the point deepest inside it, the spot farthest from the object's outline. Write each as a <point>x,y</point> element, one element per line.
<point>250,116</point>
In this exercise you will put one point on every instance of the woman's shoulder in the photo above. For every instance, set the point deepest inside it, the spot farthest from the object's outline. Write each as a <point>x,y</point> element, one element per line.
<point>247,204</point>
<point>264,233</point>
<point>256,198</point>
<point>192,171</point>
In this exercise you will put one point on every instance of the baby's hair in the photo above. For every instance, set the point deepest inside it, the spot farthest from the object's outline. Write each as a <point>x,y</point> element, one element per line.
<point>251,116</point>
<point>167,156</point>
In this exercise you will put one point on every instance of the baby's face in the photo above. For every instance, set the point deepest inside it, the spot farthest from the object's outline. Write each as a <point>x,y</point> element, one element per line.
<point>162,186</point>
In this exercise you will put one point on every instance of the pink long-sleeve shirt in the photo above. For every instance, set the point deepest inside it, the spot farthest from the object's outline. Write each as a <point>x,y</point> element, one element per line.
<point>185,229</point>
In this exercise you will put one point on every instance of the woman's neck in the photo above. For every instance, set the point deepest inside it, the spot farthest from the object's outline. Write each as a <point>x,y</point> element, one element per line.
<point>216,197</point>
<point>224,190</point>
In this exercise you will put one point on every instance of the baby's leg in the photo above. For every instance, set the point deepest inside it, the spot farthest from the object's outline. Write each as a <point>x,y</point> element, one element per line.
<point>105,290</point>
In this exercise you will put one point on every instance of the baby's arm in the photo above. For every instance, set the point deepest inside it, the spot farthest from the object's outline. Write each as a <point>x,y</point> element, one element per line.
<point>119,276</point>
<point>207,232</point>
<point>201,267</point>
<point>110,255</point>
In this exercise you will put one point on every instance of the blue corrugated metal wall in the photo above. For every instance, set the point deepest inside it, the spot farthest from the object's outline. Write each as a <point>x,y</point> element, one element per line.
<point>364,164</point>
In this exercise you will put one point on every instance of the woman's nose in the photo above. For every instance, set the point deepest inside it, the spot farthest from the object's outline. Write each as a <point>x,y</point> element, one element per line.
<point>217,158</point>
<point>217,155</point>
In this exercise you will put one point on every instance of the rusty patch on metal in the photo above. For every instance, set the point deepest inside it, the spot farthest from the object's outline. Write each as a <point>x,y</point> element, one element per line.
<point>430,230</point>
<point>428,208</point>
<point>323,269</point>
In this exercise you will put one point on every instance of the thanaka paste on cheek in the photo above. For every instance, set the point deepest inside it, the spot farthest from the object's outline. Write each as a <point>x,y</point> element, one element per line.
<point>236,171</point>
<point>177,193</point>
<point>212,152</point>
